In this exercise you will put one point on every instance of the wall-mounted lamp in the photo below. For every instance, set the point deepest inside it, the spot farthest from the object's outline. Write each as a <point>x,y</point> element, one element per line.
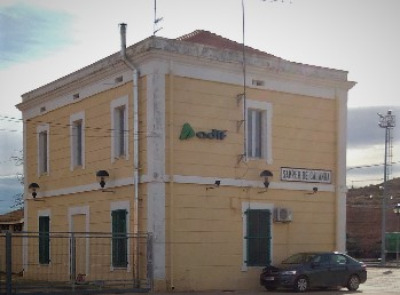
<point>33,188</point>
<point>266,174</point>
<point>314,191</point>
<point>216,184</point>
<point>102,177</point>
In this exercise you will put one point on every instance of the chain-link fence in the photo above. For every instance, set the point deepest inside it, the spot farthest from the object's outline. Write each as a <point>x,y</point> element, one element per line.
<point>33,263</point>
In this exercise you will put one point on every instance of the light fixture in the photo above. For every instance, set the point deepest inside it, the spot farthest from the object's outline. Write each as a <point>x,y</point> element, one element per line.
<point>396,209</point>
<point>266,174</point>
<point>216,184</point>
<point>314,191</point>
<point>102,177</point>
<point>33,188</point>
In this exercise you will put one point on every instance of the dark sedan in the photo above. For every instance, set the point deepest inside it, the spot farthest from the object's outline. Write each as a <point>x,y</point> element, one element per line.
<point>303,271</point>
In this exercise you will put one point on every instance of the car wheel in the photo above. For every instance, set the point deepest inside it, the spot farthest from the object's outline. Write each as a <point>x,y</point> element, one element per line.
<point>353,283</point>
<point>301,284</point>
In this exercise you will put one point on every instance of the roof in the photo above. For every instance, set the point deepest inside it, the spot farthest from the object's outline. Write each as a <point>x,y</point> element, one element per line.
<point>217,41</point>
<point>198,44</point>
<point>12,217</point>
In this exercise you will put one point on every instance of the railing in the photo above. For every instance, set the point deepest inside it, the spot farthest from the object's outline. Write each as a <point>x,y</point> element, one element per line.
<point>74,262</point>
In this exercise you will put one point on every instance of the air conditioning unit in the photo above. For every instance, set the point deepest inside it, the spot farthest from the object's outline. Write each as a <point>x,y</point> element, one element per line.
<point>282,215</point>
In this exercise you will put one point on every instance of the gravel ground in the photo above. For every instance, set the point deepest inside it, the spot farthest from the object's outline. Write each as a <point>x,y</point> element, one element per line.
<point>381,280</point>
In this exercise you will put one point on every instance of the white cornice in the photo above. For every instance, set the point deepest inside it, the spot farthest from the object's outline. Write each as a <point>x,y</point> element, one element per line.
<point>190,179</point>
<point>269,68</point>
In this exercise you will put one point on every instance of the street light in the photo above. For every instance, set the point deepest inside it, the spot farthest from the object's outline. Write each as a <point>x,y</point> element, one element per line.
<point>396,211</point>
<point>387,122</point>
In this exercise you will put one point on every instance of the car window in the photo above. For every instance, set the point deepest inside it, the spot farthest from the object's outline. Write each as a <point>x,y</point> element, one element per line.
<point>338,259</point>
<point>321,259</point>
<point>294,259</point>
<point>299,258</point>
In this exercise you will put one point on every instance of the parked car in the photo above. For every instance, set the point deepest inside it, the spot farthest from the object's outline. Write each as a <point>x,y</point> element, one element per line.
<point>303,271</point>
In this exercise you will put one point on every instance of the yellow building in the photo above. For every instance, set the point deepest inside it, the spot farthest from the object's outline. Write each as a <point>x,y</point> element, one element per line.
<point>228,167</point>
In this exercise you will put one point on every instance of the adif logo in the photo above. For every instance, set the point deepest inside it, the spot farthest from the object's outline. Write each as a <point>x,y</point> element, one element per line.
<point>188,132</point>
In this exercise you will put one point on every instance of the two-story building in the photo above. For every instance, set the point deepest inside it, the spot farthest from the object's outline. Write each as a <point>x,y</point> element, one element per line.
<point>229,165</point>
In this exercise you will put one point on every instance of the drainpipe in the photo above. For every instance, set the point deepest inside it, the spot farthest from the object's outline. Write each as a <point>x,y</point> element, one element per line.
<point>135,72</point>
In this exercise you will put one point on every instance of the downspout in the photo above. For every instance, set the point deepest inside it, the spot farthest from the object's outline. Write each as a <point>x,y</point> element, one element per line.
<point>135,73</point>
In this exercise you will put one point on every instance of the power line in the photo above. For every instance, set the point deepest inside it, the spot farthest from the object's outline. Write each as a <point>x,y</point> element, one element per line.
<point>10,119</point>
<point>371,165</point>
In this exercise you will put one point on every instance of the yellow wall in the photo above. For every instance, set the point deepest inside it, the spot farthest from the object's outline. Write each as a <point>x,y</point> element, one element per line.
<point>97,137</point>
<point>205,227</point>
<point>303,132</point>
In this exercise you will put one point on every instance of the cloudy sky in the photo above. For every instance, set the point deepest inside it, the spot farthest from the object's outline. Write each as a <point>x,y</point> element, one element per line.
<point>42,40</point>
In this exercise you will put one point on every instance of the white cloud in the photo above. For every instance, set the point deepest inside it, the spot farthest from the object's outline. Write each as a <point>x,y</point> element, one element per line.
<point>28,32</point>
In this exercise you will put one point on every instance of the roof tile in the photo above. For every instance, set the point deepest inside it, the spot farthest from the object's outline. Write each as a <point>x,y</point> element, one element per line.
<point>12,216</point>
<point>214,40</point>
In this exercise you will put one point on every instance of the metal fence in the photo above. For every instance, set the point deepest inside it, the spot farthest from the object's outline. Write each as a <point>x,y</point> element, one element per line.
<point>69,263</point>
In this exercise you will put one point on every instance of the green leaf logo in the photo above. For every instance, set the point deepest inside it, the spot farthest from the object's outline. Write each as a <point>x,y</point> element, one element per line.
<point>187,132</point>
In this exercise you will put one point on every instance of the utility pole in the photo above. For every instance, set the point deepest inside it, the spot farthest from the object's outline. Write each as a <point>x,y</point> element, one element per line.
<point>388,122</point>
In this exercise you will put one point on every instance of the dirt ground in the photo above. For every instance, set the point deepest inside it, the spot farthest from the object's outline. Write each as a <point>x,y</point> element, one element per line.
<point>381,280</point>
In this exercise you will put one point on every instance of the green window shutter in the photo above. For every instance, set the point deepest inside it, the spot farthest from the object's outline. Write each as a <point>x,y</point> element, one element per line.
<point>119,240</point>
<point>258,237</point>
<point>44,240</point>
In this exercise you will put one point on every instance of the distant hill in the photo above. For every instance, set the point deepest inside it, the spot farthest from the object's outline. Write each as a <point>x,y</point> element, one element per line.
<point>364,217</point>
<point>372,194</point>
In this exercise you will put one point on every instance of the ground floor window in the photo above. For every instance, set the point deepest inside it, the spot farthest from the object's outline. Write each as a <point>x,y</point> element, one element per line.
<point>44,239</point>
<point>119,238</point>
<point>258,237</point>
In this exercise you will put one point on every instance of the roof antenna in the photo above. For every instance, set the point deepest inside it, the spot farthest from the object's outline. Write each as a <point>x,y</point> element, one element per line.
<point>156,20</point>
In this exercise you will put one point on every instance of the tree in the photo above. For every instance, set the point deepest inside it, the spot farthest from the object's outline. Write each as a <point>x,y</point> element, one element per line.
<point>19,197</point>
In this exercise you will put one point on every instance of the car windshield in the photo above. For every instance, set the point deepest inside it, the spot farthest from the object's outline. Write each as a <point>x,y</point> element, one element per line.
<point>298,258</point>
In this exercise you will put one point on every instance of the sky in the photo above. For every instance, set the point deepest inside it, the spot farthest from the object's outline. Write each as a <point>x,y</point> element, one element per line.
<point>43,40</point>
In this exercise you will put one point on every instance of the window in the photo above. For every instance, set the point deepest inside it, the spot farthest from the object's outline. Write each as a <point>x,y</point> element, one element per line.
<point>119,112</point>
<point>77,140</point>
<point>338,259</point>
<point>254,140</point>
<point>119,238</point>
<point>119,131</point>
<point>4,227</point>
<point>258,133</point>
<point>44,240</point>
<point>43,149</point>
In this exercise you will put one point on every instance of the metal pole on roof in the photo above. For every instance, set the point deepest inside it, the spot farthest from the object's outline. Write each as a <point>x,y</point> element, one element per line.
<point>156,19</point>
<point>244,156</point>
<point>244,83</point>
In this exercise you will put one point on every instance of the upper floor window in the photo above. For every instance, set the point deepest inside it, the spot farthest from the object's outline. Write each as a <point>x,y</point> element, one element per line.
<point>43,149</point>
<point>77,140</point>
<point>258,133</point>
<point>254,135</point>
<point>119,122</point>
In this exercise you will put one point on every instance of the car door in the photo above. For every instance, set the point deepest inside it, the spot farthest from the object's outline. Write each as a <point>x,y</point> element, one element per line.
<point>320,270</point>
<point>338,270</point>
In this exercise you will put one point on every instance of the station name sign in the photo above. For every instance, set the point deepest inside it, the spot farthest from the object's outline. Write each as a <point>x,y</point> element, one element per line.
<point>306,175</point>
